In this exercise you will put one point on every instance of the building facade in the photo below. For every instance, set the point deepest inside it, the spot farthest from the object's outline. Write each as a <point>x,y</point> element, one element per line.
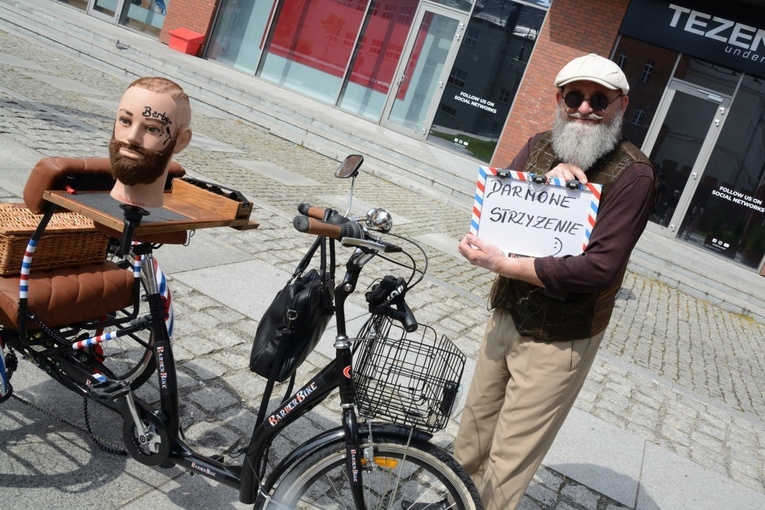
<point>476,76</point>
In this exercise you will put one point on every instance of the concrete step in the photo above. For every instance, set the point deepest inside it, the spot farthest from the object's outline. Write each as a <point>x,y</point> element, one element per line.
<point>700,274</point>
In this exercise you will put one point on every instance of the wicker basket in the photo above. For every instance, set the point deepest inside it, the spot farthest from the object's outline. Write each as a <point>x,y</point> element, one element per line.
<point>70,240</point>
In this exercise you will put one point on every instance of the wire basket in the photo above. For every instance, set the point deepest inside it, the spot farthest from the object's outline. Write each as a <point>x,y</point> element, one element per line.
<point>411,379</point>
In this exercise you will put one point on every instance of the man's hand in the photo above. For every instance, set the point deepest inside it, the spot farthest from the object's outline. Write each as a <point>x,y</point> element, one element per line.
<point>480,253</point>
<point>568,172</point>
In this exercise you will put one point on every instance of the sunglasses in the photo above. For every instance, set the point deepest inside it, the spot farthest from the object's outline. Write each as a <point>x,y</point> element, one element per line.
<point>597,101</point>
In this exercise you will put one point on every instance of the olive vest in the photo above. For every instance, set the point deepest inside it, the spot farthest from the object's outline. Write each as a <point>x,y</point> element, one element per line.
<point>535,312</point>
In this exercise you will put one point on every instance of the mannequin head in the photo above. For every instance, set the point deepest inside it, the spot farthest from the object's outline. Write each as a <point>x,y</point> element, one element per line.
<point>152,125</point>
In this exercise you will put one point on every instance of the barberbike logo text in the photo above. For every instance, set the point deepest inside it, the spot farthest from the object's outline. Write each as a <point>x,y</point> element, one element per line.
<point>743,41</point>
<point>292,404</point>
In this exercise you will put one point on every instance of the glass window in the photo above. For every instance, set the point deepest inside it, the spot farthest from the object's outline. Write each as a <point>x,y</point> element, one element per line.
<point>471,37</point>
<point>306,50</point>
<point>647,69</point>
<point>727,212</point>
<point>622,59</point>
<point>485,78</point>
<point>457,77</point>
<point>706,74</point>
<point>448,110</point>
<point>238,34</point>
<point>638,116</point>
<point>376,57</point>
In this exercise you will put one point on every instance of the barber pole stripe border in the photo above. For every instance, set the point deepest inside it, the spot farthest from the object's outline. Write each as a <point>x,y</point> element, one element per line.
<point>592,214</point>
<point>480,190</point>
<point>90,342</point>
<point>164,289</point>
<point>26,265</point>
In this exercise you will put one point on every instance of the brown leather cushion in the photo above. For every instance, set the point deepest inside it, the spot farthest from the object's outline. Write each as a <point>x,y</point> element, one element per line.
<point>79,174</point>
<point>68,296</point>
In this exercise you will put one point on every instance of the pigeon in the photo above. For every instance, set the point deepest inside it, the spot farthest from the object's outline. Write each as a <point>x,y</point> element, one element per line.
<point>121,46</point>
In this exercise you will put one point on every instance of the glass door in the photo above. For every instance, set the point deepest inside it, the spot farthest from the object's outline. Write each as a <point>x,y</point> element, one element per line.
<point>419,80</point>
<point>687,123</point>
<point>141,15</point>
<point>110,10</point>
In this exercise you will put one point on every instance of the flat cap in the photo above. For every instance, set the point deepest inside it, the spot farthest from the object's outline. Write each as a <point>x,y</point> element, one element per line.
<point>596,69</point>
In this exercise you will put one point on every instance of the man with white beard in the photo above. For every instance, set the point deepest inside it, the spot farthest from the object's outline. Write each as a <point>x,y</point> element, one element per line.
<point>549,314</point>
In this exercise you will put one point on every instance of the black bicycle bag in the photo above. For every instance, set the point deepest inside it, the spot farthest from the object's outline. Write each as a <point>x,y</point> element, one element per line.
<point>294,322</point>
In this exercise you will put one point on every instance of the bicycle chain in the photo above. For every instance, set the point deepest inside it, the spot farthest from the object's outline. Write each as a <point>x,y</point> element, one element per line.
<point>101,443</point>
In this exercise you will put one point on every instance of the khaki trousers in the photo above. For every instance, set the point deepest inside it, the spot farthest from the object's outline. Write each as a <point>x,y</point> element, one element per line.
<point>521,393</point>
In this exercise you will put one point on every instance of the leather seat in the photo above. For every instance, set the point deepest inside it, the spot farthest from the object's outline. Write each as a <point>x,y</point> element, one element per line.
<point>69,295</point>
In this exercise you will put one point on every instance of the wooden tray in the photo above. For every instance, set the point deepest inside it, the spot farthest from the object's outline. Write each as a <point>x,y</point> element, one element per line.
<point>186,207</point>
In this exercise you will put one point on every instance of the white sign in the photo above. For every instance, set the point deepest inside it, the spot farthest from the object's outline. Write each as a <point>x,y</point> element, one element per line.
<point>527,214</point>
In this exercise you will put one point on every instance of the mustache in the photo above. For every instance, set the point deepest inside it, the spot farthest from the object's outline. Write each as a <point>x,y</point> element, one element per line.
<point>117,145</point>
<point>591,116</point>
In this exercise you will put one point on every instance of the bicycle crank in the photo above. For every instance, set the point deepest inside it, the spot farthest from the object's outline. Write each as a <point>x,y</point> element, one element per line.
<point>146,438</point>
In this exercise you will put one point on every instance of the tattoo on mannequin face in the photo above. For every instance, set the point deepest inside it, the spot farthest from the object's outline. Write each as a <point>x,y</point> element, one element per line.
<point>149,113</point>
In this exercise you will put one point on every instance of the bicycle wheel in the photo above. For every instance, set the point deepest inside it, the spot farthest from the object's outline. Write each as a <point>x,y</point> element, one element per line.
<point>418,474</point>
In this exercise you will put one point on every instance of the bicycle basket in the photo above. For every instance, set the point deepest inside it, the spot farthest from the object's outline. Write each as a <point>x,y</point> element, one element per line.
<point>409,379</point>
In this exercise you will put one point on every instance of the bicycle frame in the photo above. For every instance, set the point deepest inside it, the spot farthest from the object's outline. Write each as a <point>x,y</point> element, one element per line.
<point>246,478</point>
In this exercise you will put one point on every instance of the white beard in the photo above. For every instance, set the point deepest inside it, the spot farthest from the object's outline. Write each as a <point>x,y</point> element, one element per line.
<point>581,144</point>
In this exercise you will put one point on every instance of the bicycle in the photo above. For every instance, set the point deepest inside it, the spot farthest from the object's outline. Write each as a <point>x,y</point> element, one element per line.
<point>359,464</point>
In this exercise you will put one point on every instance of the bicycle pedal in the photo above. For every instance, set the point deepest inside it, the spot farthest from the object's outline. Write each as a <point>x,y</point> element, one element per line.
<point>108,390</point>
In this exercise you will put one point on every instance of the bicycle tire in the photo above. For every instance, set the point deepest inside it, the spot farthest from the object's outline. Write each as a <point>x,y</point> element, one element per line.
<point>428,475</point>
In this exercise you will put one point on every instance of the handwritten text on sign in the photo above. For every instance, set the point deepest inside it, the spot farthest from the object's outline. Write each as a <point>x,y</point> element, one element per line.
<point>534,219</point>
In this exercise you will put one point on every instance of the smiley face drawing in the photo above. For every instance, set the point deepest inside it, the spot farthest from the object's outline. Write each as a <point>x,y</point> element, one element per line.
<point>557,246</point>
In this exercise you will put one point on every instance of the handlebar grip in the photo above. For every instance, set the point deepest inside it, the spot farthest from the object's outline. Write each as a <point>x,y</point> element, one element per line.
<point>311,211</point>
<point>317,227</point>
<point>324,229</point>
<point>321,213</point>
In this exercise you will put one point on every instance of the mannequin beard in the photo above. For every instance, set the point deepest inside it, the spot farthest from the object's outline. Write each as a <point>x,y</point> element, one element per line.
<point>143,171</point>
<point>581,144</point>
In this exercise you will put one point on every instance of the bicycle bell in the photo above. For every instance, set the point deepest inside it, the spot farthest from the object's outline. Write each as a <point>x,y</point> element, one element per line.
<point>379,219</point>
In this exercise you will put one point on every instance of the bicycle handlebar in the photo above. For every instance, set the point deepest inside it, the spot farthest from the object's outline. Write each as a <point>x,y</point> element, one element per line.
<point>351,233</point>
<point>310,225</point>
<point>311,211</point>
<point>319,213</point>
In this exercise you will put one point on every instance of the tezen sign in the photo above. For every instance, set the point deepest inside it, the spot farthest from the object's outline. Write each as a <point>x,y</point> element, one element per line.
<point>729,33</point>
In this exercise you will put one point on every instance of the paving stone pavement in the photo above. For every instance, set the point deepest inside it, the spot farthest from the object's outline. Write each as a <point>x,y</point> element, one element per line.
<point>674,370</point>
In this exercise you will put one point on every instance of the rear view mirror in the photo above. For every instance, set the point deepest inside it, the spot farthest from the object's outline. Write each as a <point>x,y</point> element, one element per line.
<point>350,167</point>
